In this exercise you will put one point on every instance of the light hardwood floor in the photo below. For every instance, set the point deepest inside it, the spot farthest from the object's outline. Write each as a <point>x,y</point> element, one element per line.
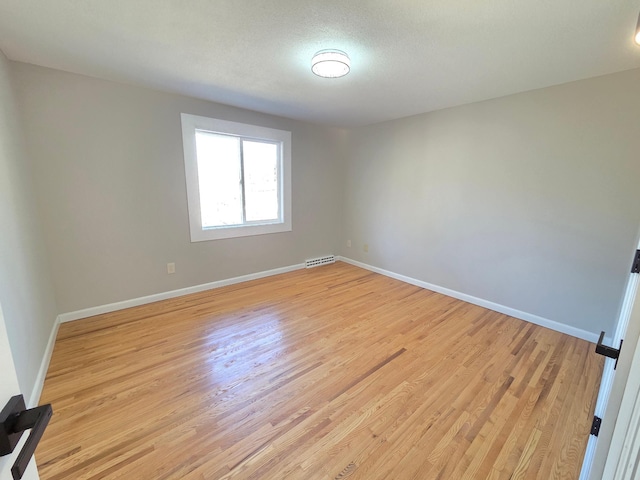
<point>328,373</point>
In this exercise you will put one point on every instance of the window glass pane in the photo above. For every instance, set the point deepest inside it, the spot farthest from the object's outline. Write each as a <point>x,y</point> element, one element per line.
<point>218,158</point>
<point>260,180</point>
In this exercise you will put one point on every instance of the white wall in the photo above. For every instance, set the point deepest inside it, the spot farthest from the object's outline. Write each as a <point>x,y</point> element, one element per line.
<point>26,290</point>
<point>109,172</point>
<point>530,201</point>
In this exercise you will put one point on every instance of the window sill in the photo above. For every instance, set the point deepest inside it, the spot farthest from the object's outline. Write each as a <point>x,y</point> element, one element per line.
<point>203,235</point>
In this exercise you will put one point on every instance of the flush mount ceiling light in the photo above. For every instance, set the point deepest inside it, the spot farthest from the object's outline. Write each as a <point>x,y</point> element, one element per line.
<point>330,64</point>
<point>637,36</point>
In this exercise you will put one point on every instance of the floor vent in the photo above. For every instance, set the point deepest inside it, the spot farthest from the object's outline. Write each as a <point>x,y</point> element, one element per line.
<point>316,262</point>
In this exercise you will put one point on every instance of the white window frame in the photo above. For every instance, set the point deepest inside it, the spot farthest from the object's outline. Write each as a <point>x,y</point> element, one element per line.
<point>191,123</point>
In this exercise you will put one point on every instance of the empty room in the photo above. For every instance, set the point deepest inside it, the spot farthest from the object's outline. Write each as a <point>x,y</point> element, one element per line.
<point>319,240</point>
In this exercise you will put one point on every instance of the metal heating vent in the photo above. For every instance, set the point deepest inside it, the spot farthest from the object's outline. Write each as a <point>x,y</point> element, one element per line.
<point>316,262</point>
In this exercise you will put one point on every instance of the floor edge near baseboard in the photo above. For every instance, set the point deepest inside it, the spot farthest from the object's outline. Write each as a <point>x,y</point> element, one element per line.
<point>112,307</point>
<point>36,392</point>
<point>512,312</point>
<point>88,312</point>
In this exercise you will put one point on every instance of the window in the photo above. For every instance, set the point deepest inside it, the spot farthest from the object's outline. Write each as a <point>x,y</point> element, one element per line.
<point>238,178</point>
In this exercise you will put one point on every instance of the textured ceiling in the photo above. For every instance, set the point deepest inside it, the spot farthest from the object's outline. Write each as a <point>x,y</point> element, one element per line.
<point>407,56</point>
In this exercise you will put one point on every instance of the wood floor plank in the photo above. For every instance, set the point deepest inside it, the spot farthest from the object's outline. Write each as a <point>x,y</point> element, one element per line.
<point>327,373</point>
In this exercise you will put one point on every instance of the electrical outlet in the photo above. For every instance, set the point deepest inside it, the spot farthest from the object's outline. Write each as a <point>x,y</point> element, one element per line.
<point>365,248</point>
<point>349,243</point>
<point>171,268</point>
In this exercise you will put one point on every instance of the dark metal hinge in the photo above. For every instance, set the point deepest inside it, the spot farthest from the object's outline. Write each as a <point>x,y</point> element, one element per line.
<point>595,426</point>
<point>635,268</point>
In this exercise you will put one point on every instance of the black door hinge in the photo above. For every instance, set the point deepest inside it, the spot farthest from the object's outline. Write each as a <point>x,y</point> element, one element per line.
<point>635,268</point>
<point>595,426</point>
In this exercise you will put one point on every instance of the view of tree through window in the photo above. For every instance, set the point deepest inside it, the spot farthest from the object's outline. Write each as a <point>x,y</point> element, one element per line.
<point>237,179</point>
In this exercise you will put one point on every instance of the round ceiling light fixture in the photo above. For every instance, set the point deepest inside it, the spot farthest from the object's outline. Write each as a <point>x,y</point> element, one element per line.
<point>330,64</point>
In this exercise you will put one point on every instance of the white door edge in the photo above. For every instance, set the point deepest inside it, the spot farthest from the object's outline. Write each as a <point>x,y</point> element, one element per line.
<point>622,459</point>
<point>608,373</point>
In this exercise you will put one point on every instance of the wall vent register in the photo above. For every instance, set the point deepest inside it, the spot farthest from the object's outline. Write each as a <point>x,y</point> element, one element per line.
<point>316,262</point>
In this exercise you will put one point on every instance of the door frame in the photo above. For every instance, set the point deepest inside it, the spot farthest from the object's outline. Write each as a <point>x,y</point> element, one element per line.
<point>624,452</point>
<point>613,381</point>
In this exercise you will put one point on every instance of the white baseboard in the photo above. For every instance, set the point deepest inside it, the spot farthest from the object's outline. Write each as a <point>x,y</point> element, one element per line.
<point>528,317</point>
<point>112,307</point>
<point>34,399</point>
